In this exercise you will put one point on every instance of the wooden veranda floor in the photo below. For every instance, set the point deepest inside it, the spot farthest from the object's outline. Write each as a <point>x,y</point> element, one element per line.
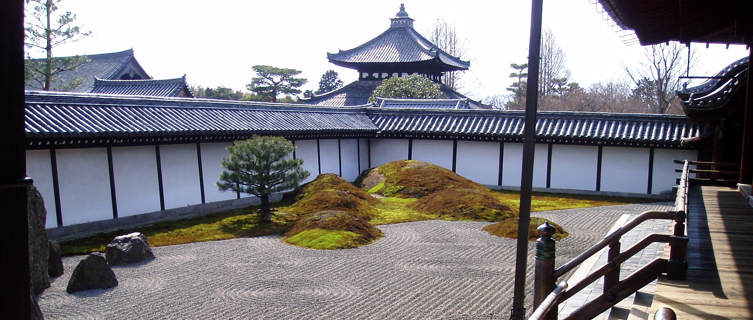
<point>720,259</point>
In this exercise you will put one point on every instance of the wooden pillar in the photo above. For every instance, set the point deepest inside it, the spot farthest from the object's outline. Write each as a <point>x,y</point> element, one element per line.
<point>612,277</point>
<point>14,271</point>
<point>746,158</point>
<point>543,282</point>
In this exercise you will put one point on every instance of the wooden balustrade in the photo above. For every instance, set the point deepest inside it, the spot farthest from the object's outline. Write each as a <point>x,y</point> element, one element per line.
<point>547,296</point>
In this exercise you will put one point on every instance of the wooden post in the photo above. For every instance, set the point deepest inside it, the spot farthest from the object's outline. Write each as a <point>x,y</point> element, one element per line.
<point>612,277</point>
<point>543,282</point>
<point>746,158</point>
<point>677,266</point>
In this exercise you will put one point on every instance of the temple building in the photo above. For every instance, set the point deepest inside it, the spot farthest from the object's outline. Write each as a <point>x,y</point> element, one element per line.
<point>148,87</point>
<point>398,51</point>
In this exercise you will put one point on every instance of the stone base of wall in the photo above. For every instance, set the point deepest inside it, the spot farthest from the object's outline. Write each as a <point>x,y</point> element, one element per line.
<point>77,231</point>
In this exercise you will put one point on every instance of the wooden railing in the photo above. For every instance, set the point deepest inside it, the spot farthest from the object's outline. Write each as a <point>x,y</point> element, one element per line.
<point>714,173</point>
<point>547,297</point>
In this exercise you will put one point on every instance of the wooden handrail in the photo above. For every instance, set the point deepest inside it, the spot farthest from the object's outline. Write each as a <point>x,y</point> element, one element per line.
<point>717,172</point>
<point>707,163</point>
<point>550,301</point>
<point>614,236</point>
<point>624,256</point>
<point>625,288</point>
<point>681,201</point>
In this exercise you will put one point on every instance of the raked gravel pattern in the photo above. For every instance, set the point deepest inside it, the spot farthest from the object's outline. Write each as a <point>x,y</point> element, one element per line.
<point>419,270</point>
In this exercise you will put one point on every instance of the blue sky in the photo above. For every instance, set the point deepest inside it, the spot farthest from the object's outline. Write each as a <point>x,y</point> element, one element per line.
<point>216,42</point>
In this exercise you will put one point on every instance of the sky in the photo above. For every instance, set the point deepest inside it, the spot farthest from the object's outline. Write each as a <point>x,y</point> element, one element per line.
<point>215,43</point>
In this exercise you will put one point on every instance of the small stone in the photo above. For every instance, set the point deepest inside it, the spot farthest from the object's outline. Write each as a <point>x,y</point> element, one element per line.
<point>127,249</point>
<point>55,262</point>
<point>92,273</point>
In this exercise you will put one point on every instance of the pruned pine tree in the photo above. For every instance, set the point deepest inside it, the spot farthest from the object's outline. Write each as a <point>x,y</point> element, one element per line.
<point>47,29</point>
<point>330,81</point>
<point>271,82</point>
<point>412,86</point>
<point>260,166</point>
<point>518,88</point>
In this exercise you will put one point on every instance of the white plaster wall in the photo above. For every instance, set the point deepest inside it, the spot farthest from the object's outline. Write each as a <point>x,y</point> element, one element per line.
<point>664,168</point>
<point>574,167</point>
<point>329,156</point>
<point>180,175</point>
<point>39,168</point>
<point>388,150</point>
<point>136,183</point>
<point>513,161</point>
<point>437,152</point>
<point>478,161</point>
<point>363,144</point>
<point>306,151</point>
<point>212,155</point>
<point>84,180</point>
<point>349,159</point>
<point>624,169</point>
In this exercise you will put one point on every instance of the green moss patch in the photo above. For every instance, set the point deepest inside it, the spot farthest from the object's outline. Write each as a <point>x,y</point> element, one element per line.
<point>471,204</point>
<point>322,239</point>
<point>331,192</point>
<point>508,228</point>
<point>333,220</point>
<point>412,179</point>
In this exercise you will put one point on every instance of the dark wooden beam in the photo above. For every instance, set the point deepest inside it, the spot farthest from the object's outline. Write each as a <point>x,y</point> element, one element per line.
<point>746,159</point>
<point>201,172</point>
<point>113,196</point>
<point>159,178</point>
<point>14,244</point>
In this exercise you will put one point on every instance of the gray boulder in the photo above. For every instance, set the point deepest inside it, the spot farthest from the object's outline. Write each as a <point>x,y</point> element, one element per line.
<point>55,261</point>
<point>38,245</point>
<point>92,273</point>
<point>127,249</point>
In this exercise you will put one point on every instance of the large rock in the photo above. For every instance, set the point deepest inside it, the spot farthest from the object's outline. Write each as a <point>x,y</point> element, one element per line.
<point>36,313</point>
<point>129,248</point>
<point>55,261</point>
<point>92,273</point>
<point>38,245</point>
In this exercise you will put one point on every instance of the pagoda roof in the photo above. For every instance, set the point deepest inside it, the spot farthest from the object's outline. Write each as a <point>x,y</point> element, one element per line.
<point>113,65</point>
<point>357,93</point>
<point>399,44</point>
<point>715,98</point>
<point>157,88</point>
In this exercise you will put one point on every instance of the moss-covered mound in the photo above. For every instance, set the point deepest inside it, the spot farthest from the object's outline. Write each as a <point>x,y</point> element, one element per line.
<point>508,228</point>
<point>331,192</point>
<point>463,204</point>
<point>332,229</point>
<point>412,179</point>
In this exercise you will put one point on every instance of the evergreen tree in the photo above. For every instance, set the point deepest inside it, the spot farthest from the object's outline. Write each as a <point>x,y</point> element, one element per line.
<point>518,88</point>
<point>413,86</point>
<point>272,81</point>
<point>260,166</point>
<point>330,81</point>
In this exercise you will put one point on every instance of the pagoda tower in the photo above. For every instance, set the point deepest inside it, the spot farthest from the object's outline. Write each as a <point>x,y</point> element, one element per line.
<point>398,51</point>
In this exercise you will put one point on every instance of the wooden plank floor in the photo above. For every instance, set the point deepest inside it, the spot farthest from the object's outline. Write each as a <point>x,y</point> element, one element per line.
<point>720,259</point>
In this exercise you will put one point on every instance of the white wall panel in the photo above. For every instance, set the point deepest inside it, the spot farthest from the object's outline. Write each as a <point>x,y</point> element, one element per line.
<point>306,151</point>
<point>180,175</point>
<point>574,167</point>
<point>136,182</point>
<point>624,169</point>
<point>329,156</point>
<point>512,165</point>
<point>478,161</point>
<point>349,149</point>
<point>363,144</point>
<point>437,152</point>
<point>664,168</point>
<point>84,185</point>
<point>39,168</point>
<point>212,155</point>
<point>388,150</point>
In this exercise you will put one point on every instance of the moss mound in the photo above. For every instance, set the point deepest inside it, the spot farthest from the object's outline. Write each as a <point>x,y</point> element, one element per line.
<point>332,229</point>
<point>331,192</point>
<point>463,204</point>
<point>412,179</point>
<point>508,228</point>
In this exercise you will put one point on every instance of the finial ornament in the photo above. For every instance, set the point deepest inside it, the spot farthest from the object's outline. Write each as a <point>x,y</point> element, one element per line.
<point>402,13</point>
<point>545,230</point>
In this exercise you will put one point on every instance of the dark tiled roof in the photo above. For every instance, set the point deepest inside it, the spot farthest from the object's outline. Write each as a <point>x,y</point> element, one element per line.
<point>357,93</point>
<point>102,66</point>
<point>556,127</point>
<point>396,103</point>
<point>156,88</point>
<point>89,118</point>
<point>710,99</point>
<point>399,44</point>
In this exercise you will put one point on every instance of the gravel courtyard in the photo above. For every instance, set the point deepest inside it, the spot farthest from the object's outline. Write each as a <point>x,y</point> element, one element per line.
<point>419,270</point>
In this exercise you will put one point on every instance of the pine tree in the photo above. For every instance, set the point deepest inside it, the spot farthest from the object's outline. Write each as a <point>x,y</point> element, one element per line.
<point>330,81</point>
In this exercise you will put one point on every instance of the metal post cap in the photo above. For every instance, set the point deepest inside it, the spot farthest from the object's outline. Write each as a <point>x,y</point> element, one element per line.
<point>545,230</point>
